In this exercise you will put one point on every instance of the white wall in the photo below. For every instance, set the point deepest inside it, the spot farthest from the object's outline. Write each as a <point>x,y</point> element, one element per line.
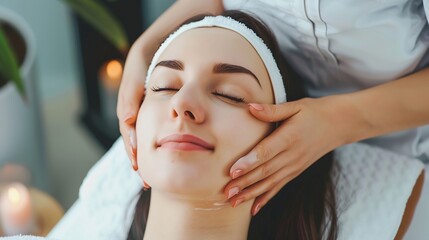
<point>56,43</point>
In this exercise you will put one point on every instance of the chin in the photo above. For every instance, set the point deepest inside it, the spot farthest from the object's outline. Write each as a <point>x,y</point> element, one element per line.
<point>179,179</point>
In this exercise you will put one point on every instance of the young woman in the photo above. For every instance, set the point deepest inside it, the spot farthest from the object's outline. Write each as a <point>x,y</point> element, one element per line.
<point>194,123</point>
<point>364,67</point>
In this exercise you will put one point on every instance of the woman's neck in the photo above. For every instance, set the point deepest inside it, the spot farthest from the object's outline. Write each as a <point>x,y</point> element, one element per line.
<point>171,217</point>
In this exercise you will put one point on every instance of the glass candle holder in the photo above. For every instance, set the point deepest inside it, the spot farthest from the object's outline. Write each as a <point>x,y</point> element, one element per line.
<point>16,212</point>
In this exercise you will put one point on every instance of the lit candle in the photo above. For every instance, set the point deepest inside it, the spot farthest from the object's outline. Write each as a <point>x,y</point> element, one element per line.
<point>16,213</point>
<point>110,75</point>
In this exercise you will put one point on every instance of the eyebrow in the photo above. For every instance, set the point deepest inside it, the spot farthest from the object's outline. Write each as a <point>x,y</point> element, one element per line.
<point>218,68</point>
<point>174,64</point>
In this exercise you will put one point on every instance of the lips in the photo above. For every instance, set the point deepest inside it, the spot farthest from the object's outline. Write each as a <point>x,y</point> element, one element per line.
<point>184,142</point>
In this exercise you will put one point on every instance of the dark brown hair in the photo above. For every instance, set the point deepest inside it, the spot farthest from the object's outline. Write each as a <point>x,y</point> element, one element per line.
<point>305,207</point>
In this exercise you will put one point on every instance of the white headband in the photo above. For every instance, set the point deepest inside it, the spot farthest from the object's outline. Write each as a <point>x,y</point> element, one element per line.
<point>243,30</point>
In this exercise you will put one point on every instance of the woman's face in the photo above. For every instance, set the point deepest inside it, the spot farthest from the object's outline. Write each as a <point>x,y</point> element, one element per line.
<point>194,122</point>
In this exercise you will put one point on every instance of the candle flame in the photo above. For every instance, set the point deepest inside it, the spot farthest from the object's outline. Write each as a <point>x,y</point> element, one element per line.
<point>114,69</point>
<point>13,195</point>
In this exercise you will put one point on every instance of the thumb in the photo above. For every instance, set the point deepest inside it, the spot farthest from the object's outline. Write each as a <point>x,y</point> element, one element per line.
<point>274,112</point>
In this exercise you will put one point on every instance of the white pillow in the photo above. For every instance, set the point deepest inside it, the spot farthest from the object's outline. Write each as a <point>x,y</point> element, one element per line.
<point>373,188</point>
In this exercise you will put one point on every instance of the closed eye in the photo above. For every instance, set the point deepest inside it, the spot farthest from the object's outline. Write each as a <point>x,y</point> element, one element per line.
<point>235,99</point>
<point>216,93</point>
<point>159,89</point>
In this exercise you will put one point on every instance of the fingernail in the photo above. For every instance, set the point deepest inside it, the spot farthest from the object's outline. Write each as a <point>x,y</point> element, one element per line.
<point>257,107</point>
<point>132,134</point>
<point>132,152</point>
<point>133,160</point>
<point>240,200</point>
<point>257,208</point>
<point>128,117</point>
<point>243,162</point>
<point>249,159</point>
<point>232,192</point>
<point>134,164</point>
<point>236,173</point>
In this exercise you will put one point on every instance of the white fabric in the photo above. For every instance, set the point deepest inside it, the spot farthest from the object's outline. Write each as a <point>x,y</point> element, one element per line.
<point>109,194</point>
<point>71,225</point>
<point>340,46</point>
<point>372,190</point>
<point>238,27</point>
<point>25,237</point>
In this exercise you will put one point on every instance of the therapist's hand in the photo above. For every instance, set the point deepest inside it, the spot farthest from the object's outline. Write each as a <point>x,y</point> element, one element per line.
<point>309,129</point>
<point>130,97</point>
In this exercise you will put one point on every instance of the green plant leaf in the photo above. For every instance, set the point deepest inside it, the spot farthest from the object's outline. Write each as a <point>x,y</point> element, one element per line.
<point>101,19</point>
<point>9,68</point>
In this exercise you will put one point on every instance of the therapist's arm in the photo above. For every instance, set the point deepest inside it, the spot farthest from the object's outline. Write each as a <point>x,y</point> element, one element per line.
<point>394,106</point>
<point>131,91</point>
<point>179,12</point>
<point>311,127</point>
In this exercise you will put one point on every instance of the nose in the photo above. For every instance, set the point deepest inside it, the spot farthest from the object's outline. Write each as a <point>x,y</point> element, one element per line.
<point>187,106</point>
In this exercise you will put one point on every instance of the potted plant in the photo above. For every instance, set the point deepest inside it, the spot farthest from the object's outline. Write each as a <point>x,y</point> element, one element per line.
<point>21,138</point>
<point>91,11</point>
<point>20,125</point>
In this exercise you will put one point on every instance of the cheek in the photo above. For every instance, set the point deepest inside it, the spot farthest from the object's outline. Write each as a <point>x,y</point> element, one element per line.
<point>239,137</point>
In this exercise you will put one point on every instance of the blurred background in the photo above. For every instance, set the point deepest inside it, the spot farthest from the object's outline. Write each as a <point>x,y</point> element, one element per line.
<point>51,136</point>
<point>67,121</point>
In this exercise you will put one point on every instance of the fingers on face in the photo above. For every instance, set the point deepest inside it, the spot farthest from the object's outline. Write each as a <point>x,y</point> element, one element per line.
<point>129,101</point>
<point>255,190</point>
<point>275,112</point>
<point>264,190</point>
<point>258,174</point>
<point>264,177</point>
<point>126,137</point>
<point>263,199</point>
<point>130,97</point>
<point>263,153</point>
<point>286,110</point>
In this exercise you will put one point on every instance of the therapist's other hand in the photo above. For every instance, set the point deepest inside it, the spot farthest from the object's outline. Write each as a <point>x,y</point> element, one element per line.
<point>309,129</point>
<point>130,97</point>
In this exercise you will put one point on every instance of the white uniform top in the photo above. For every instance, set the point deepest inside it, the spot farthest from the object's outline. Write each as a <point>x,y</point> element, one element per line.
<point>340,46</point>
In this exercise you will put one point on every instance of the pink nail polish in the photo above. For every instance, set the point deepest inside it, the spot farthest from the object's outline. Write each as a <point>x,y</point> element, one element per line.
<point>257,107</point>
<point>132,134</point>
<point>257,208</point>
<point>132,152</point>
<point>233,191</point>
<point>135,167</point>
<point>236,173</point>
<point>240,200</point>
<point>128,117</point>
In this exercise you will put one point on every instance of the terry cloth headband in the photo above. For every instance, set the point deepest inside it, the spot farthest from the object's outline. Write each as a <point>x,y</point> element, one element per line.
<point>238,27</point>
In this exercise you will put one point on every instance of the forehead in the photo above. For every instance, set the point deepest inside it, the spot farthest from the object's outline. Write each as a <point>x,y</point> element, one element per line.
<point>201,48</point>
<point>213,44</point>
